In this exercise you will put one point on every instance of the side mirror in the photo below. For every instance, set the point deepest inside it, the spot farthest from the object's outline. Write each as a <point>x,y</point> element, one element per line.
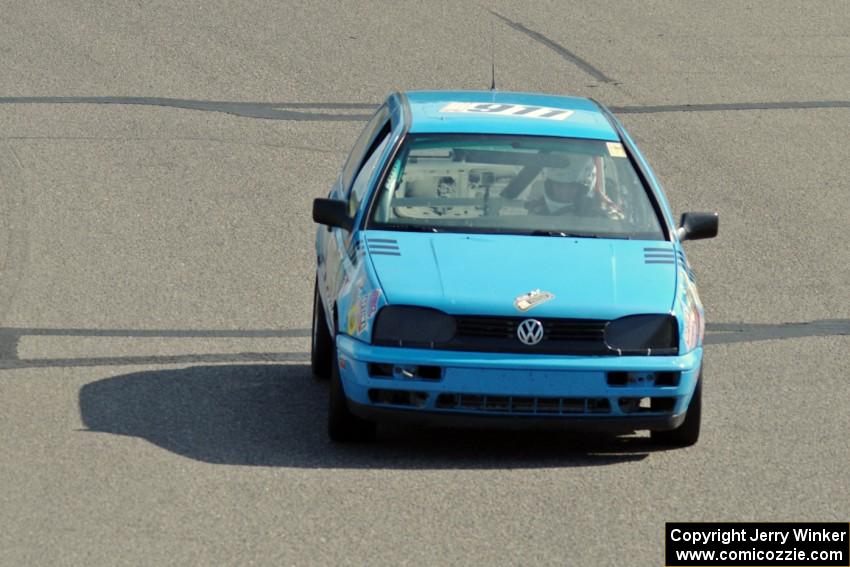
<point>695,226</point>
<point>332,212</point>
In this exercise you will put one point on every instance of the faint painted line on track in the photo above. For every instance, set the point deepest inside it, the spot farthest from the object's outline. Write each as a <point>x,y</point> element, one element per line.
<point>280,111</point>
<point>203,139</point>
<point>717,333</point>
<point>8,345</point>
<point>173,333</point>
<point>730,106</point>
<point>155,360</point>
<point>266,110</point>
<point>11,336</point>
<point>725,333</point>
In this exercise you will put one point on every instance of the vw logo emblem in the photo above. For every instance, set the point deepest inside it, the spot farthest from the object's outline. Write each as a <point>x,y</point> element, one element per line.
<point>530,332</point>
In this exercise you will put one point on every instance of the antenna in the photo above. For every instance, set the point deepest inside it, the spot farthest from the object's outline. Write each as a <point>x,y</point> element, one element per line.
<point>492,57</point>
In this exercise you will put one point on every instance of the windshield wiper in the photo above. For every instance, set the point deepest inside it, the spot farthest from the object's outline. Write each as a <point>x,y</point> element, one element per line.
<point>562,234</point>
<point>577,234</point>
<point>407,227</point>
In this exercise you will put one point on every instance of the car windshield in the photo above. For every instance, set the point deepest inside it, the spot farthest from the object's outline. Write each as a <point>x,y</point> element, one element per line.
<point>515,184</point>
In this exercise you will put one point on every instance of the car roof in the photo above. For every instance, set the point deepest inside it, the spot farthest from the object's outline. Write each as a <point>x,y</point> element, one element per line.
<point>499,112</point>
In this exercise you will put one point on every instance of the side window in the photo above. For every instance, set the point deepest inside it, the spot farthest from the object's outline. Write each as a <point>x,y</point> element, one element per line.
<point>358,152</point>
<point>361,182</point>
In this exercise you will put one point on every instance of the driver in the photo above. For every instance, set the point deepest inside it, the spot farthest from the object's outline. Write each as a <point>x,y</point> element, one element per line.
<point>572,189</point>
<point>565,189</point>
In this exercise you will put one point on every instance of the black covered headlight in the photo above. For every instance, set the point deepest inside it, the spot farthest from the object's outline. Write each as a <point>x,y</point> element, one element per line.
<point>404,325</point>
<point>643,334</point>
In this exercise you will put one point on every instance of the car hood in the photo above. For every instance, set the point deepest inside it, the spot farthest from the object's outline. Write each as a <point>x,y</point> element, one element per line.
<point>484,274</point>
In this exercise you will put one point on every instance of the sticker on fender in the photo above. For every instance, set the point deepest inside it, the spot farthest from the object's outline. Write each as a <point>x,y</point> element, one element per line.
<point>500,109</point>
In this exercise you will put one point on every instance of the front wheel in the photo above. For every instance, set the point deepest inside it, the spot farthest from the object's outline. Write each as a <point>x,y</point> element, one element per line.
<point>321,343</point>
<point>344,426</point>
<point>687,433</point>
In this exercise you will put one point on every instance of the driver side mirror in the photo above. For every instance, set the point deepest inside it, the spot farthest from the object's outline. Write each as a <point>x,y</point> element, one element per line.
<point>695,226</point>
<point>332,212</point>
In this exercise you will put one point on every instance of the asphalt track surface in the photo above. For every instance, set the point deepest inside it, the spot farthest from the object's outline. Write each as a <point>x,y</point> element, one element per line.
<point>157,166</point>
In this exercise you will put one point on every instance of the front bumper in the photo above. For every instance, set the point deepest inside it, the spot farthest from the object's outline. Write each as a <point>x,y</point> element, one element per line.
<point>508,390</point>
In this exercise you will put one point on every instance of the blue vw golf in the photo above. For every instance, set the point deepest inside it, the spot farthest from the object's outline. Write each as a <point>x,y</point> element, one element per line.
<point>505,259</point>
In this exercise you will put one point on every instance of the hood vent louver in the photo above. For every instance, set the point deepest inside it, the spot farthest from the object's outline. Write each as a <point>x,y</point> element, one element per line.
<point>383,247</point>
<point>659,256</point>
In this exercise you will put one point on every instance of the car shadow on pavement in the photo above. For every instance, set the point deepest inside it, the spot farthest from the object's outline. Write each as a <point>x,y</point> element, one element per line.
<point>274,415</point>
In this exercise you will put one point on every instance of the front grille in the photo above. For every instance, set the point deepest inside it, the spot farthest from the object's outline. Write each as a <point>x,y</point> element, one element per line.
<point>523,405</point>
<point>480,333</point>
<point>553,329</point>
<point>409,398</point>
<point>494,327</point>
<point>560,336</point>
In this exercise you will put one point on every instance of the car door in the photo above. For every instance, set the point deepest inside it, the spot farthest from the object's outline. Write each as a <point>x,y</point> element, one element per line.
<point>337,252</point>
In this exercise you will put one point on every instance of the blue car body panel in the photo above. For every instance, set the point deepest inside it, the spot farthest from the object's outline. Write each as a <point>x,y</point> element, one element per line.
<point>514,375</point>
<point>360,272</point>
<point>475,274</point>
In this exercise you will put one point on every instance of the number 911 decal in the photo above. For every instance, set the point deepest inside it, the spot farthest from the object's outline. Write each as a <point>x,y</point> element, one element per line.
<point>491,108</point>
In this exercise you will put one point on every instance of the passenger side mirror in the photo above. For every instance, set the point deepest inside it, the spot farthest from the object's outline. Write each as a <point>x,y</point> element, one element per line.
<point>332,212</point>
<point>695,226</point>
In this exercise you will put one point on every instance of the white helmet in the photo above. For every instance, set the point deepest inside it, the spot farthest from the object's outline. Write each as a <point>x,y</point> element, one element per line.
<point>563,185</point>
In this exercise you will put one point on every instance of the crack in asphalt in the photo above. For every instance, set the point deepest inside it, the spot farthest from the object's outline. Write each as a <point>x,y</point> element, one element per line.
<point>565,53</point>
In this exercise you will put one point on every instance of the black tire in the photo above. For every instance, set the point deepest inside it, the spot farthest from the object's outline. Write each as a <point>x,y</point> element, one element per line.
<point>344,426</point>
<point>321,342</point>
<point>687,433</point>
